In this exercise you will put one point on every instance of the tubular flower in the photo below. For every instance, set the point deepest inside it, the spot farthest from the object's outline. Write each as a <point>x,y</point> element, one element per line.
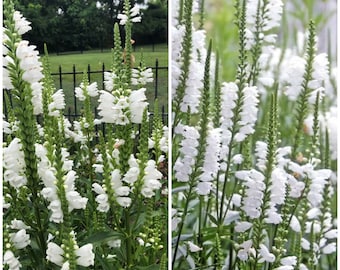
<point>57,104</point>
<point>194,83</point>
<point>134,15</point>
<point>20,239</point>
<point>151,179</point>
<point>188,152</point>
<point>211,162</point>
<point>91,90</point>
<point>137,105</point>
<point>141,77</point>
<point>248,113</point>
<point>29,63</point>
<point>22,26</point>
<point>14,164</point>
<point>12,262</point>
<point>254,192</point>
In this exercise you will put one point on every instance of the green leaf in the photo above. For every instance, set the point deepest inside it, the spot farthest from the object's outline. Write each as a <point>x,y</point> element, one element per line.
<point>100,237</point>
<point>150,267</point>
<point>213,219</point>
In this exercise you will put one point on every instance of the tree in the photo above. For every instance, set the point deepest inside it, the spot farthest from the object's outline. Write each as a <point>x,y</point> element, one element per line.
<point>66,25</point>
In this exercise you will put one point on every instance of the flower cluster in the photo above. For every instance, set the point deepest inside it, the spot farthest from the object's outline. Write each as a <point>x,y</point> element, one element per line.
<point>271,192</point>
<point>72,181</point>
<point>133,15</point>
<point>119,109</point>
<point>141,76</point>
<point>60,256</point>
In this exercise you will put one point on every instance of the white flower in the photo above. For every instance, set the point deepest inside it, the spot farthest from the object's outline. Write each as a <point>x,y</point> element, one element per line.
<point>114,243</point>
<point>65,266</point>
<point>37,97</point>
<point>122,191</point>
<point>295,224</point>
<point>320,68</point>
<point>141,77</point>
<point>277,195</point>
<point>103,203</point>
<point>313,213</point>
<point>270,17</point>
<point>248,113</point>
<point>54,254</point>
<point>60,11</point>
<point>20,239</point>
<point>124,201</point>
<point>261,155</point>
<point>29,62</point>
<point>22,26</point>
<point>131,175</point>
<point>14,164</point>
<point>134,12</point>
<point>203,188</point>
<point>114,109</point>
<point>79,93</point>
<point>329,249</point>
<point>137,105</point>
<point>331,234</point>
<point>102,198</point>
<point>58,103</point>
<point>254,193</point>
<point>85,255</point>
<point>296,187</point>
<point>193,247</point>
<point>211,158</point>
<point>245,250</point>
<point>237,159</point>
<point>116,181</point>
<point>319,179</point>
<point>18,225</point>
<point>266,256</point>
<point>243,226</point>
<point>278,186</point>
<point>123,19</point>
<point>188,152</point>
<point>57,213</point>
<point>151,179</point>
<point>12,262</point>
<point>75,201</point>
<point>292,75</point>
<point>289,261</point>
<point>6,79</point>
<point>91,90</point>
<point>109,78</point>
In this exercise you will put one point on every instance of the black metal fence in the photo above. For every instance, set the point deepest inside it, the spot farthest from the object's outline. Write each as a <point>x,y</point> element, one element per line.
<point>69,80</point>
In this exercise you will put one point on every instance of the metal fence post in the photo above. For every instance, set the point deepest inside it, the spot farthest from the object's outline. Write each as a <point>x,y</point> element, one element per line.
<point>103,76</point>
<point>60,78</point>
<point>74,91</point>
<point>88,72</point>
<point>156,79</point>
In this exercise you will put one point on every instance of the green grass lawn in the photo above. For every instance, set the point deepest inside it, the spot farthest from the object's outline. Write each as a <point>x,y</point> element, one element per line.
<point>96,59</point>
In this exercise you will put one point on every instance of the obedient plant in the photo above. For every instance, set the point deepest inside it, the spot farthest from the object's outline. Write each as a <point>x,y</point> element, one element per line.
<point>74,195</point>
<point>253,171</point>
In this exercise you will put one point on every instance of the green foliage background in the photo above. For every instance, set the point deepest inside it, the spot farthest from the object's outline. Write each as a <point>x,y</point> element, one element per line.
<point>82,26</point>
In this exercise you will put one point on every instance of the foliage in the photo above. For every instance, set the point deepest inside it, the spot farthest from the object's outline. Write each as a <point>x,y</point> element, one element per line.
<point>253,175</point>
<point>74,198</point>
<point>82,25</point>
